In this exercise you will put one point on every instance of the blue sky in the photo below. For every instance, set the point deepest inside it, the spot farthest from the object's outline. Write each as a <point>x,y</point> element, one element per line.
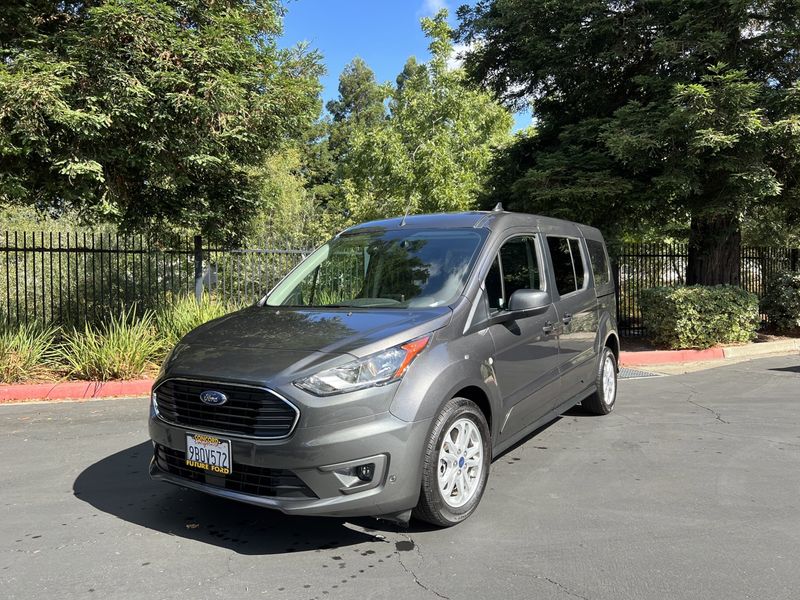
<point>382,32</point>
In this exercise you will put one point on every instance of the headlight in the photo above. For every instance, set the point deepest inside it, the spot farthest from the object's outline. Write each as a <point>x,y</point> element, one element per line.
<point>377,369</point>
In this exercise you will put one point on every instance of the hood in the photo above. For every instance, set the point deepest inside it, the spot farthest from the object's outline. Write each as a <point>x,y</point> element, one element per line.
<point>311,330</point>
<point>262,343</point>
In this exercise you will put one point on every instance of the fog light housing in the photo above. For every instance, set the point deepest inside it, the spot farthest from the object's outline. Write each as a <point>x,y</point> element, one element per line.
<point>360,474</point>
<point>365,472</point>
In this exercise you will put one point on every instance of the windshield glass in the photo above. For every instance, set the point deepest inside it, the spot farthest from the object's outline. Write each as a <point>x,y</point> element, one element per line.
<point>396,269</point>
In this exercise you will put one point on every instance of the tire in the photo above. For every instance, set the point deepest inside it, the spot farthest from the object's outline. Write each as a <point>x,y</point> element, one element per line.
<point>602,401</point>
<point>466,482</point>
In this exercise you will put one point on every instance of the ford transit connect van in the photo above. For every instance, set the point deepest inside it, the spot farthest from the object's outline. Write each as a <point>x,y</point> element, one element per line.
<point>384,372</point>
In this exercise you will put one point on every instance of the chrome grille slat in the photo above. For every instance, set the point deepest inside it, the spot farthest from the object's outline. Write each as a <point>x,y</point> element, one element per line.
<point>249,411</point>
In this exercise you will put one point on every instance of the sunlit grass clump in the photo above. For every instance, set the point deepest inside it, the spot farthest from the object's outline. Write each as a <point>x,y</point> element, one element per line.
<point>27,352</point>
<point>125,346</point>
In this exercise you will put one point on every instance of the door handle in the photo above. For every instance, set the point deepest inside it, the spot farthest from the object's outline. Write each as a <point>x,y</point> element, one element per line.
<point>566,319</point>
<point>548,327</point>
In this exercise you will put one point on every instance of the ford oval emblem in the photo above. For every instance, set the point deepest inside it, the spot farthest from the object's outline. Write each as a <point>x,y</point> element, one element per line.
<point>213,398</point>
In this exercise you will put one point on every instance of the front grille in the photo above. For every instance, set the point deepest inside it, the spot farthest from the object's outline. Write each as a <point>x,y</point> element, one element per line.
<point>257,481</point>
<point>249,411</point>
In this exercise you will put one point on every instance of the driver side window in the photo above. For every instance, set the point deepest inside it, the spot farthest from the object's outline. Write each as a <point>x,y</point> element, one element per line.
<point>516,267</point>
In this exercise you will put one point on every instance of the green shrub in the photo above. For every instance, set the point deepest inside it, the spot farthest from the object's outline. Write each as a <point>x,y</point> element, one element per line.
<point>181,315</point>
<point>27,352</point>
<point>699,316</point>
<point>123,347</point>
<point>781,301</point>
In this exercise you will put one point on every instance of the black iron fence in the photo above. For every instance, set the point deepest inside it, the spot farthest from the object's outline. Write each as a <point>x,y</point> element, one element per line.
<point>73,277</point>
<point>641,266</point>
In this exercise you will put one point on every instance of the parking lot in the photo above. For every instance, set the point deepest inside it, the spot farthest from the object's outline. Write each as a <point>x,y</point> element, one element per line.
<point>688,490</point>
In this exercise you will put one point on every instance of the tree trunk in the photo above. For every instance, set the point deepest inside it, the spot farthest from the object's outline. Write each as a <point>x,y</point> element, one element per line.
<point>714,250</point>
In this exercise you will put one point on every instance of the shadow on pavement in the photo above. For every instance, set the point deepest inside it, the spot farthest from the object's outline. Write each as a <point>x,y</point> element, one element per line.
<point>787,369</point>
<point>120,485</point>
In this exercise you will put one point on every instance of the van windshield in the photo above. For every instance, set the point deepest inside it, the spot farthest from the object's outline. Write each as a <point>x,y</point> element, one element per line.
<point>393,269</point>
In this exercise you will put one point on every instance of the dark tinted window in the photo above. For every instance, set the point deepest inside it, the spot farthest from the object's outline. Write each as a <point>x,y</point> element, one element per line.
<point>577,262</point>
<point>597,256</point>
<point>494,287</point>
<point>520,270</point>
<point>562,264</point>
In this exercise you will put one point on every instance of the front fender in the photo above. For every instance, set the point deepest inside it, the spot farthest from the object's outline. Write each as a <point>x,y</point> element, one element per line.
<point>444,370</point>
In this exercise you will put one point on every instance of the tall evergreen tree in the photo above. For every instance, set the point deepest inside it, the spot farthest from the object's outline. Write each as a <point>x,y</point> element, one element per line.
<point>648,111</point>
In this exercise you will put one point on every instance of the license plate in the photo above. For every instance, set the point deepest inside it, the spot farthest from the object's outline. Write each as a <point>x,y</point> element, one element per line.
<point>208,452</point>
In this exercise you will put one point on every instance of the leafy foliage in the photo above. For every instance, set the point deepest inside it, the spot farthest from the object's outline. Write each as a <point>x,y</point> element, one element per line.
<point>647,113</point>
<point>781,301</point>
<point>27,353</point>
<point>699,316</point>
<point>183,314</point>
<point>148,113</point>
<point>290,210</point>
<point>123,347</point>
<point>429,149</point>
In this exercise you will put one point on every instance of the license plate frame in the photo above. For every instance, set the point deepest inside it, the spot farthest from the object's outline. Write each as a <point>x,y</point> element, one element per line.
<point>209,453</point>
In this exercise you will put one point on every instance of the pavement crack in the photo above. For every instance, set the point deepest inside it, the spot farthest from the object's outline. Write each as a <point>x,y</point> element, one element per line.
<point>413,574</point>
<point>717,415</point>
<point>561,586</point>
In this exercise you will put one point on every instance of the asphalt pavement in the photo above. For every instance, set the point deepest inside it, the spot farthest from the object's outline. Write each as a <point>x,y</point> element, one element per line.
<point>689,489</point>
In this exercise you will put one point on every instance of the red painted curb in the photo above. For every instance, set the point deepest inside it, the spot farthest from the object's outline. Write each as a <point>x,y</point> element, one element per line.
<point>69,390</point>
<point>660,357</point>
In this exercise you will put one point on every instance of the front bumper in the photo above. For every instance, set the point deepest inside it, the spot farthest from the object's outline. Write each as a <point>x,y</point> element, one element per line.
<point>313,455</point>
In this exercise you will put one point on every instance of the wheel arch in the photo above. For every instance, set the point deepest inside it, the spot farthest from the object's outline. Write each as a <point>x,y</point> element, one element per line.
<point>612,341</point>
<point>480,398</point>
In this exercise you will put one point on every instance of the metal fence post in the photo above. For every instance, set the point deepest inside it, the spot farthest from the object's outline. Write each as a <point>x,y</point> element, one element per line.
<point>198,268</point>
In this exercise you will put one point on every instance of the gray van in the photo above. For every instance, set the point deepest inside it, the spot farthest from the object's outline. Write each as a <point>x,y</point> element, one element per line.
<point>382,375</point>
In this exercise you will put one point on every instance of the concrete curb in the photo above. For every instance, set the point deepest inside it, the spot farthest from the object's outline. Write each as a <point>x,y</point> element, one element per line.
<point>660,357</point>
<point>74,390</point>
<point>663,357</point>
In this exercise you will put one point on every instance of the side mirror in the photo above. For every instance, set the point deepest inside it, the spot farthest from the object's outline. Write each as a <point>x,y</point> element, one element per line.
<point>528,300</point>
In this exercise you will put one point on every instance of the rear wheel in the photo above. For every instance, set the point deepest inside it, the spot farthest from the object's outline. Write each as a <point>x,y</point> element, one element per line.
<point>456,464</point>
<point>602,401</point>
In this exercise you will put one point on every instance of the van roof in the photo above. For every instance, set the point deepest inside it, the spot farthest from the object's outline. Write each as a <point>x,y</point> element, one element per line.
<point>495,221</point>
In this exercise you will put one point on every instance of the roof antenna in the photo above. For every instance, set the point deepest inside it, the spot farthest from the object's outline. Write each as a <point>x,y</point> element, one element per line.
<point>408,208</point>
<point>498,207</point>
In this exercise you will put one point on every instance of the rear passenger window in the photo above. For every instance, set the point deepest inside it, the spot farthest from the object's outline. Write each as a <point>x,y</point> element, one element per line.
<point>597,256</point>
<point>568,265</point>
<point>577,262</point>
<point>562,264</point>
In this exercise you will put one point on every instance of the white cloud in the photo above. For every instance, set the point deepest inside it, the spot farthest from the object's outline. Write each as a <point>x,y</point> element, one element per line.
<point>456,59</point>
<point>430,7</point>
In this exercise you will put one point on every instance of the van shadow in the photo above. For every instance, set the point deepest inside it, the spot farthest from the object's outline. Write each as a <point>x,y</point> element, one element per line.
<point>121,486</point>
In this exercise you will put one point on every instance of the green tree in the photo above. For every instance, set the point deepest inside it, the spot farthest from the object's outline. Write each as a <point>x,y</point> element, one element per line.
<point>289,212</point>
<point>148,113</point>
<point>432,150</point>
<point>360,105</point>
<point>665,111</point>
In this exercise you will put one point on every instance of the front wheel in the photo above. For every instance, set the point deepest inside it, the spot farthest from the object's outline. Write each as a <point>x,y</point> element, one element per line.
<point>602,401</point>
<point>456,464</point>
